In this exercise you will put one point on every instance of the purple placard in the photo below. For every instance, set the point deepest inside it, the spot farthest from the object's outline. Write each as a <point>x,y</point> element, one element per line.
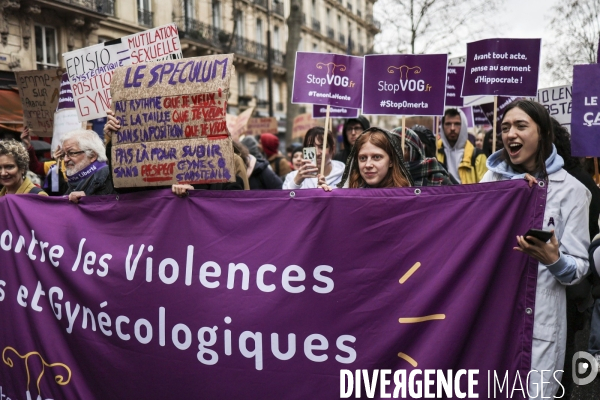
<point>468,111</point>
<point>405,84</point>
<point>323,78</point>
<point>65,97</point>
<point>479,117</point>
<point>503,102</point>
<point>502,67</point>
<point>130,298</point>
<point>320,111</point>
<point>585,117</point>
<point>454,86</point>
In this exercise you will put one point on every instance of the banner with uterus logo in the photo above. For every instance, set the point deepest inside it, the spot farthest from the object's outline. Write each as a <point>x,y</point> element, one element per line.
<point>266,294</point>
<point>330,79</point>
<point>405,84</point>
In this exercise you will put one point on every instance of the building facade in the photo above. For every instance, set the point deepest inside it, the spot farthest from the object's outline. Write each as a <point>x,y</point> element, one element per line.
<point>35,33</point>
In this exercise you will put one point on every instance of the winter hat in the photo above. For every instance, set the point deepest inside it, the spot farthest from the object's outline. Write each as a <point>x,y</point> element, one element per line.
<point>252,146</point>
<point>270,144</point>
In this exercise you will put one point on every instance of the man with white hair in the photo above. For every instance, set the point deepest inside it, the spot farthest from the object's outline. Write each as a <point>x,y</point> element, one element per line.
<point>85,164</point>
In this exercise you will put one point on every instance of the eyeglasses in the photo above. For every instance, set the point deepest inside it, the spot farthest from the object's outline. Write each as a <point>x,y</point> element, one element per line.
<point>72,154</point>
<point>356,129</point>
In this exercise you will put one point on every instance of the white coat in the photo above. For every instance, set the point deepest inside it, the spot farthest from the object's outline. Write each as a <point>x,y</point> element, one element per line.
<point>567,209</point>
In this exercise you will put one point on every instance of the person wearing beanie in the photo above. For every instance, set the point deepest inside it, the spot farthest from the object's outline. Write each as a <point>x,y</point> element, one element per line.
<point>252,146</point>
<point>270,146</point>
<point>353,127</point>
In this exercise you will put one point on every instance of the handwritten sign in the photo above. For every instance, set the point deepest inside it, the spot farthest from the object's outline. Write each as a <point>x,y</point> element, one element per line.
<point>173,126</point>
<point>319,111</point>
<point>454,83</point>
<point>39,92</point>
<point>90,73</point>
<point>502,67</point>
<point>303,123</point>
<point>236,124</point>
<point>323,78</point>
<point>557,101</point>
<point>257,126</point>
<point>405,84</point>
<point>585,122</point>
<point>156,44</point>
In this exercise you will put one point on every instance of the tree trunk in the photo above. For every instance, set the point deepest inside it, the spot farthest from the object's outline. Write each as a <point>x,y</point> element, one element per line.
<point>294,23</point>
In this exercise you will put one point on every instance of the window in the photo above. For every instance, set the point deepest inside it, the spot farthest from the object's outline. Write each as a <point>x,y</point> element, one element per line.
<point>276,93</point>
<point>301,44</point>
<point>145,12</point>
<point>241,84</point>
<point>145,5</point>
<point>239,24</point>
<point>259,31</point>
<point>315,47</point>
<point>187,9</point>
<point>46,48</point>
<point>328,17</point>
<point>276,39</point>
<point>216,14</point>
<point>313,9</point>
<point>340,23</point>
<point>261,89</point>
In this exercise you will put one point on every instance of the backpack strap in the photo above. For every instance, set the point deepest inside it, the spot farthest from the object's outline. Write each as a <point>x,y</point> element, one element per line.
<point>35,190</point>
<point>277,161</point>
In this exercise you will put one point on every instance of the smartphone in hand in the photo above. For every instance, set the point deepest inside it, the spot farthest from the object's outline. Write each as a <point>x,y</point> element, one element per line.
<point>544,236</point>
<point>310,153</point>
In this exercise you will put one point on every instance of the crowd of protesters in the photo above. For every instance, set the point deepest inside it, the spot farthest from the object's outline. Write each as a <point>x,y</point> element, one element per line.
<point>531,145</point>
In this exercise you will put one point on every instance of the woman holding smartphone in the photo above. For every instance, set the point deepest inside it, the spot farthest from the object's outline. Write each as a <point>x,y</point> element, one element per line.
<point>529,153</point>
<point>305,177</point>
<point>375,161</point>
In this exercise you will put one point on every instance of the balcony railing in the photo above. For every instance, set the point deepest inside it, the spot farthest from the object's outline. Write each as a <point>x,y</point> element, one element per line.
<point>330,33</point>
<point>278,8</point>
<point>106,7</point>
<point>262,103</point>
<point>214,37</point>
<point>145,18</point>
<point>262,3</point>
<point>342,38</point>
<point>316,24</point>
<point>279,106</point>
<point>369,18</point>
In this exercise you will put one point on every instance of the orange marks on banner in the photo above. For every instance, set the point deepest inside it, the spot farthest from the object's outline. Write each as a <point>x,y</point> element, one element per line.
<point>415,320</point>
<point>408,359</point>
<point>411,271</point>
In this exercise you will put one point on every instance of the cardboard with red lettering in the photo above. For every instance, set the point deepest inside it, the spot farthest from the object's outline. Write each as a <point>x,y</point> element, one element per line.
<point>303,123</point>
<point>39,92</point>
<point>173,124</point>
<point>258,126</point>
<point>157,44</point>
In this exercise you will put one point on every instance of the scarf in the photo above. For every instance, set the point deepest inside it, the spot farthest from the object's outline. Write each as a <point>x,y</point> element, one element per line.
<point>85,173</point>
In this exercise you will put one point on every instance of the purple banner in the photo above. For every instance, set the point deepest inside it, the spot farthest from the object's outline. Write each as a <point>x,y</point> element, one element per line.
<point>405,84</point>
<point>502,67</point>
<point>454,86</point>
<point>65,97</point>
<point>468,111</point>
<point>323,78</point>
<point>585,117</point>
<point>479,117</point>
<point>488,110</point>
<point>231,295</point>
<point>320,111</point>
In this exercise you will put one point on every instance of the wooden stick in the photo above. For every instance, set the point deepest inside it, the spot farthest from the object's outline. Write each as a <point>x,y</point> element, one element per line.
<point>324,142</point>
<point>403,134</point>
<point>436,122</point>
<point>597,174</point>
<point>494,124</point>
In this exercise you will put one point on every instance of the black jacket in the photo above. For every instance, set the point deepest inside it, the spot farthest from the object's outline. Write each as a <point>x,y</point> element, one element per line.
<point>263,177</point>
<point>343,154</point>
<point>97,184</point>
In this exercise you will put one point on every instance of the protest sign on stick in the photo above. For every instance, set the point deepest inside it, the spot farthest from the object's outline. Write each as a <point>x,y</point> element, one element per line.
<point>585,122</point>
<point>454,86</point>
<point>39,92</point>
<point>558,102</point>
<point>303,123</point>
<point>157,44</point>
<point>90,73</point>
<point>173,127</point>
<point>258,126</point>
<point>236,124</point>
<point>319,111</point>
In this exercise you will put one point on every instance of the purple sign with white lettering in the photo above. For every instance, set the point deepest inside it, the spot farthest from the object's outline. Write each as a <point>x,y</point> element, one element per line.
<point>405,84</point>
<point>468,111</point>
<point>454,85</point>
<point>479,117</point>
<point>323,78</point>
<point>502,67</point>
<point>320,111</point>
<point>585,118</point>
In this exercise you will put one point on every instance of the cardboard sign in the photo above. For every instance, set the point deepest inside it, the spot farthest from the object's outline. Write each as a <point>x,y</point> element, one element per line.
<point>585,121</point>
<point>303,123</point>
<point>39,92</point>
<point>257,126</point>
<point>502,67</point>
<point>156,44</point>
<point>405,84</point>
<point>236,124</point>
<point>454,82</point>
<point>173,127</point>
<point>90,73</point>
<point>558,102</point>
<point>323,78</point>
<point>319,111</point>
